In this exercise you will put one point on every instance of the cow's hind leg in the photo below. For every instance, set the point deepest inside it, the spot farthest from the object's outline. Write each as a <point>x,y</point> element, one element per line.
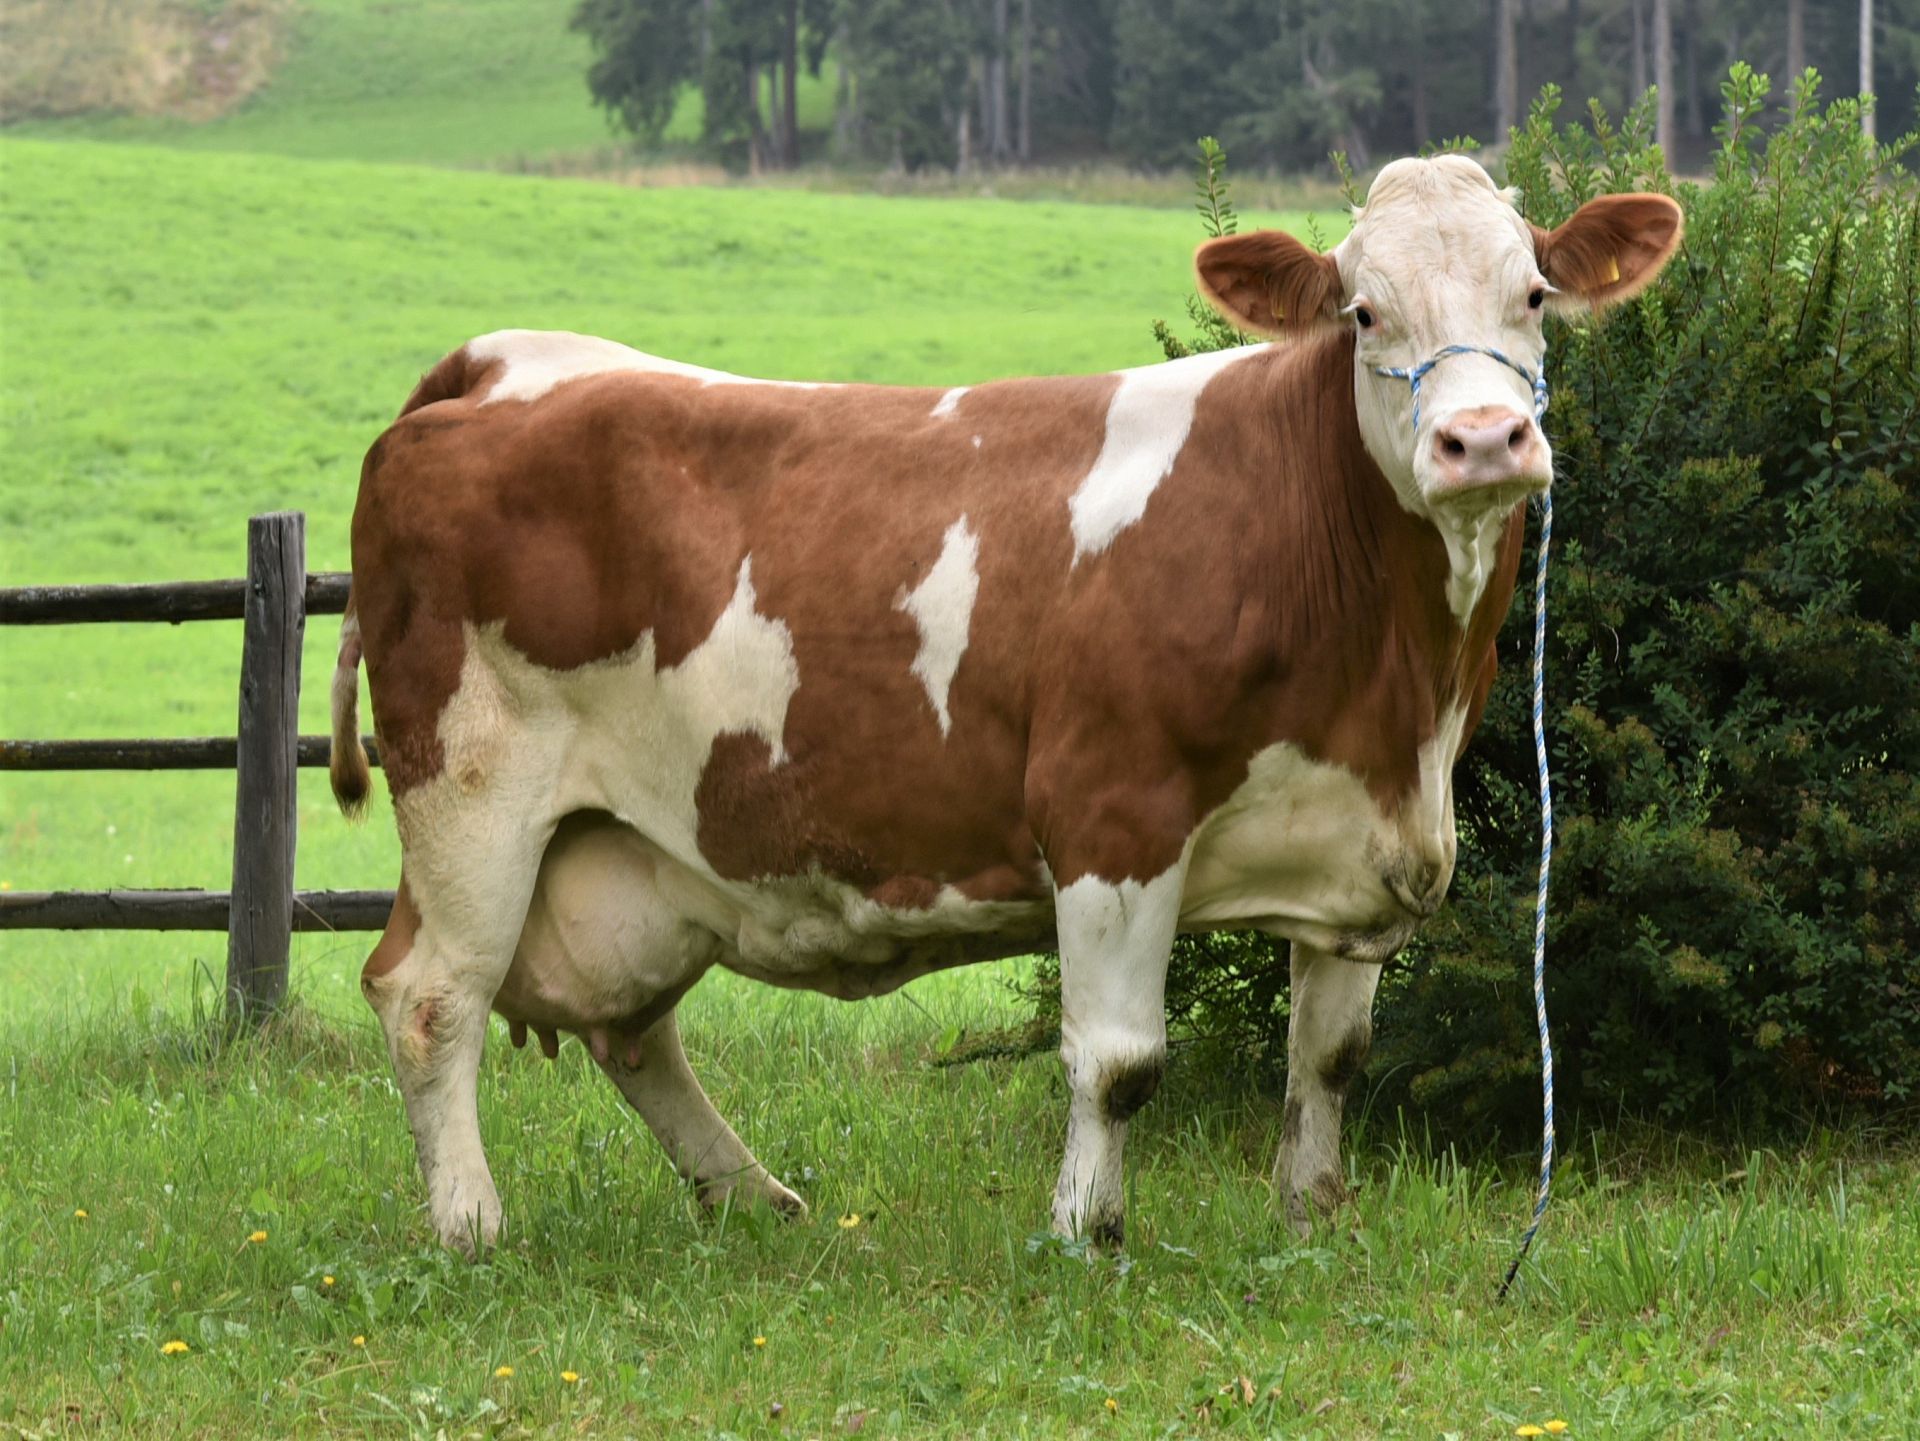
<point>1115,941</point>
<point>653,1074</point>
<point>431,980</point>
<point>1329,1033</point>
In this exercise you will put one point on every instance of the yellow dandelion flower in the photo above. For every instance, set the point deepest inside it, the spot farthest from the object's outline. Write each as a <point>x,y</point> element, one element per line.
<point>849,1221</point>
<point>6,885</point>
<point>570,1377</point>
<point>175,1348</point>
<point>326,1280</point>
<point>1113,1406</point>
<point>359,1340</point>
<point>1556,1426</point>
<point>256,1238</point>
<point>1529,1430</point>
<point>759,1340</point>
<point>503,1372</point>
<point>80,1214</point>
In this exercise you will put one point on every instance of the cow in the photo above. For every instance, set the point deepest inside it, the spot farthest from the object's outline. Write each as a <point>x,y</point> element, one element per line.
<point>839,685</point>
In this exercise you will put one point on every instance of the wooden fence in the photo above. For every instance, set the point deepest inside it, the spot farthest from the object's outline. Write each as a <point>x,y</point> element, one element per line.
<point>263,909</point>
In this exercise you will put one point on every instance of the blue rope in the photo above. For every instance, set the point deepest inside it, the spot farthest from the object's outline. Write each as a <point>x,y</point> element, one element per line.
<point>1413,375</point>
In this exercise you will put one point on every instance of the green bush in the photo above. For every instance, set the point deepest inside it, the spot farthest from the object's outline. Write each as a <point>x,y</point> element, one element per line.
<point>1733,671</point>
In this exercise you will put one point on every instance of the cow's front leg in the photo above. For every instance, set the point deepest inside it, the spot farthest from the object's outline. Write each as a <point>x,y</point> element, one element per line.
<point>1329,1033</point>
<point>1115,939</point>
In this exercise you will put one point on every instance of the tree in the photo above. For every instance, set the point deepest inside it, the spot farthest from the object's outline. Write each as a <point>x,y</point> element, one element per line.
<point>648,52</point>
<point>645,54</point>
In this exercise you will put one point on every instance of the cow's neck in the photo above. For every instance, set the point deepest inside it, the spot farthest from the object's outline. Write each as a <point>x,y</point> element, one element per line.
<point>1394,615</point>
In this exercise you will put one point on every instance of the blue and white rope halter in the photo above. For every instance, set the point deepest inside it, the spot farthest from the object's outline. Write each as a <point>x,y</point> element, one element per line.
<point>1413,375</point>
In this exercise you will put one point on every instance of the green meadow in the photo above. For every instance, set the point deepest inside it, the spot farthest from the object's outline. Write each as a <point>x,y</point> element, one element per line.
<point>194,335</point>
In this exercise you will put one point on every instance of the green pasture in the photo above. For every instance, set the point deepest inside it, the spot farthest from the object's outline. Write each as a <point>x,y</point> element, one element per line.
<point>191,337</point>
<point>449,82</point>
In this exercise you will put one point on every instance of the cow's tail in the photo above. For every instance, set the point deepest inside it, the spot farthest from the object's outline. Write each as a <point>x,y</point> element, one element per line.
<point>347,767</point>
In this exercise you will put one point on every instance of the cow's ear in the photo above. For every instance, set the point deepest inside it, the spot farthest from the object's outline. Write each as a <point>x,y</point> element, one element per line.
<point>1609,249</point>
<point>1269,283</point>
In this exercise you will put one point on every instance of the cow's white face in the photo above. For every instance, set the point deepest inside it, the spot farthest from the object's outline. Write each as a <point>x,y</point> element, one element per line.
<point>1437,257</point>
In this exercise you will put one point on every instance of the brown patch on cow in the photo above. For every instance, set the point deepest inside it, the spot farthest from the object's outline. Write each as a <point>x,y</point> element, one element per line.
<point>905,893</point>
<point>395,942</point>
<point>1131,1085</point>
<point>1339,1069</point>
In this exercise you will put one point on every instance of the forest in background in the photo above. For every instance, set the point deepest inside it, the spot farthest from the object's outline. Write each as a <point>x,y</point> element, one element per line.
<point>968,83</point>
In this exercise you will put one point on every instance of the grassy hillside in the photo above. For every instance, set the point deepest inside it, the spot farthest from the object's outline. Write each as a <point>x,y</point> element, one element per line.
<point>453,82</point>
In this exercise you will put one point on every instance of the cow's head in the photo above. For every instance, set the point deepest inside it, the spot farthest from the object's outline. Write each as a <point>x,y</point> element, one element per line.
<point>1439,257</point>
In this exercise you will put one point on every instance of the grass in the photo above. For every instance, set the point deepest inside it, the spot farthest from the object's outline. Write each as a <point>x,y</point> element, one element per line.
<point>1676,1290</point>
<point>194,337</point>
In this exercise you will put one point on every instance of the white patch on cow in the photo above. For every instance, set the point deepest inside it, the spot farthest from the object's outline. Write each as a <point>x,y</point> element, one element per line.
<point>1301,849</point>
<point>942,606</point>
<point>976,442</point>
<point>949,402</point>
<point>1147,423</point>
<point>1115,939</point>
<point>538,360</point>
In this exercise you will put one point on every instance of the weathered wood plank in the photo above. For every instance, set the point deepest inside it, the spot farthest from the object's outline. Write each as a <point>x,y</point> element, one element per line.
<point>183,910</point>
<point>266,773</point>
<point>184,753</point>
<point>168,601</point>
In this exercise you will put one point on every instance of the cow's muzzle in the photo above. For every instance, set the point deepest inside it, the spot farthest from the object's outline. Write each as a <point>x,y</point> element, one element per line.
<point>1491,452</point>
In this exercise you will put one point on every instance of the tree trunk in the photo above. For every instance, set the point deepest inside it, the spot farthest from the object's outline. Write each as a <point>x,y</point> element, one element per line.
<point>1638,68</point>
<point>1001,139</point>
<point>1690,62</point>
<point>1506,70</point>
<point>1571,82</point>
<point>963,140</point>
<point>706,32</point>
<point>1025,144</point>
<point>1422,125</point>
<point>1796,39</point>
<point>1866,64</point>
<point>1663,76</point>
<point>756,133</point>
<point>789,88</point>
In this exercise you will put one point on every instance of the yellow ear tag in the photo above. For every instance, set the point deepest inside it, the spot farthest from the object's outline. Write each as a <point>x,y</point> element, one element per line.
<point>1613,270</point>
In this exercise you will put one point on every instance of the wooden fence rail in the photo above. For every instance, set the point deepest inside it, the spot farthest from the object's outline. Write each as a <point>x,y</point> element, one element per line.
<point>263,910</point>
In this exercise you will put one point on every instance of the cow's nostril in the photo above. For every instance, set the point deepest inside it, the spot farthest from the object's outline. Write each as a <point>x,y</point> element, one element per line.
<point>1453,445</point>
<point>1518,438</point>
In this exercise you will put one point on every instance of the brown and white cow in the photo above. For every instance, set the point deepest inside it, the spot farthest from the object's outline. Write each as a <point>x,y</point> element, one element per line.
<point>836,685</point>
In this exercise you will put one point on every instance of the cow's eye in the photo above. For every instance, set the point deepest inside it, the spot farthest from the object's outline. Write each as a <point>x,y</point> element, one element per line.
<point>1363,317</point>
<point>1537,298</point>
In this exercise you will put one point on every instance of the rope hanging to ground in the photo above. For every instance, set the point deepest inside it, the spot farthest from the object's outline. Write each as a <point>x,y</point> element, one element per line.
<point>1413,375</point>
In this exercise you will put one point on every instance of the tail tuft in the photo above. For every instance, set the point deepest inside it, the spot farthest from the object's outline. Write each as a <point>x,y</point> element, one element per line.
<point>347,765</point>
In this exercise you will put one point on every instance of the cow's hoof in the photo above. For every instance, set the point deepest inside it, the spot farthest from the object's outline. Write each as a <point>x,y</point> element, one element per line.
<point>474,1234</point>
<point>1315,1202</point>
<point>753,1191</point>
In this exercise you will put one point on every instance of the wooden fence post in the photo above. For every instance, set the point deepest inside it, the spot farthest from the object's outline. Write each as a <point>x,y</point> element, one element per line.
<point>266,783</point>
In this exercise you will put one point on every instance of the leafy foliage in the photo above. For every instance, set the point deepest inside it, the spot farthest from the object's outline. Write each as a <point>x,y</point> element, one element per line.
<point>1733,669</point>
